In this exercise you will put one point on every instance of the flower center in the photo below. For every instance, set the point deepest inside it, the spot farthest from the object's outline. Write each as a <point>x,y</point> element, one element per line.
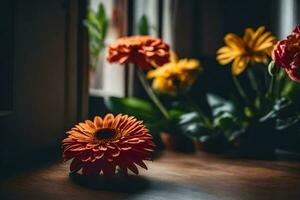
<point>105,134</point>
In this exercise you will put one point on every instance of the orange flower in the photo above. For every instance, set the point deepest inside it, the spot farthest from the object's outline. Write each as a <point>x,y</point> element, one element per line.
<point>101,145</point>
<point>144,51</point>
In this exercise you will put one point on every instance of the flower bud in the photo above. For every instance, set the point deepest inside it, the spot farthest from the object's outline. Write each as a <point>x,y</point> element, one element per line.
<point>273,68</point>
<point>248,112</point>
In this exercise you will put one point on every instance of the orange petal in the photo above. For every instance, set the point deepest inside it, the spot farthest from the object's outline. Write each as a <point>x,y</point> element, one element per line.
<point>98,121</point>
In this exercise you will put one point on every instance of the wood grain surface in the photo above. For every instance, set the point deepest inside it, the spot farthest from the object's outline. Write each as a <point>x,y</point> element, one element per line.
<point>172,176</point>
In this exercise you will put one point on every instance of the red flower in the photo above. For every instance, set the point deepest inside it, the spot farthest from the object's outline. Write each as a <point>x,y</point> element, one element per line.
<point>287,54</point>
<point>144,51</point>
<point>101,145</point>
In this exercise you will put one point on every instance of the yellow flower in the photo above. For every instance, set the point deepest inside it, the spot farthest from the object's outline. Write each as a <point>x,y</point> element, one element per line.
<point>254,47</point>
<point>164,85</point>
<point>174,75</point>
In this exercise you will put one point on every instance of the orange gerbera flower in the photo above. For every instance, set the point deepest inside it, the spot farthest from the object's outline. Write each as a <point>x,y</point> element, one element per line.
<point>101,145</point>
<point>144,51</point>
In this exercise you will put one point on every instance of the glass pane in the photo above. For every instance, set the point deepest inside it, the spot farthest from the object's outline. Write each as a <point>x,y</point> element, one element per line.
<point>150,10</point>
<point>104,78</point>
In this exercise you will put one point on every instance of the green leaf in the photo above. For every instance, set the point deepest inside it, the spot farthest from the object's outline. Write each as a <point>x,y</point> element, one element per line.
<point>225,121</point>
<point>189,118</point>
<point>195,130</point>
<point>290,89</point>
<point>139,108</point>
<point>101,14</point>
<point>279,107</point>
<point>282,124</point>
<point>191,125</point>
<point>92,19</point>
<point>104,29</point>
<point>232,135</point>
<point>219,105</point>
<point>143,26</point>
<point>102,19</point>
<point>175,114</point>
<point>97,25</point>
<point>287,88</point>
<point>93,31</point>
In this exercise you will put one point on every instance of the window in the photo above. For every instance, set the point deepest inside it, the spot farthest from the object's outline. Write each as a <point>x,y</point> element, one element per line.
<point>287,17</point>
<point>107,80</point>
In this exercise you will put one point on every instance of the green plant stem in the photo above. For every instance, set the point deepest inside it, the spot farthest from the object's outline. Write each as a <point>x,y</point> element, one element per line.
<point>240,89</point>
<point>278,88</point>
<point>151,94</point>
<point>253,80</point>
<point>280,80</point>
<point>271,86</point>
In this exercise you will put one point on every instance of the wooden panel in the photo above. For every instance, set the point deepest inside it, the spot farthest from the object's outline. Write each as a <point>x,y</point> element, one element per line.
<point>36,121</point>
<point>45,62</point>
<point>39,71</point>
<point>38,76</point>
<point>83,61</point>
<point>6,57</point>
<point>71,71</point>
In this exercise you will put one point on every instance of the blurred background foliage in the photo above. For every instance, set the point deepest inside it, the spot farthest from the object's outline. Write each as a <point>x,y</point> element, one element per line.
<point>213,114</point>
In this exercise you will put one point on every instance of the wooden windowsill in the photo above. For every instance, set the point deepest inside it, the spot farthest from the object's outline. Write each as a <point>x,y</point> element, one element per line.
<point>172,176</point>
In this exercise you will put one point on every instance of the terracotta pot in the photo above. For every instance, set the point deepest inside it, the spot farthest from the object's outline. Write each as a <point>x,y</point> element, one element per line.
<point>177,142</point>
<point>214,143</point>
<point>198,145</point>
<point>167,140</point>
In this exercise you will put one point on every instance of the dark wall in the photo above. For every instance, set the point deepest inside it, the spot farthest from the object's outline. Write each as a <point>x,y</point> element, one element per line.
<point>41,43</point>
<point>6,59</point>
<point>200,25</point>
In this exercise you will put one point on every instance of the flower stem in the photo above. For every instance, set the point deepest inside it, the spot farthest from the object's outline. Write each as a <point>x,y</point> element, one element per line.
<point>253,80</point>
<point>151,94</point>
<point>271,86</point>
<point>239,88</point>
<point>280,80</point>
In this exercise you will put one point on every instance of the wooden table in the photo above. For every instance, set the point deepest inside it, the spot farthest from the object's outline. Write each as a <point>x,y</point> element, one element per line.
<point>172,176</point>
